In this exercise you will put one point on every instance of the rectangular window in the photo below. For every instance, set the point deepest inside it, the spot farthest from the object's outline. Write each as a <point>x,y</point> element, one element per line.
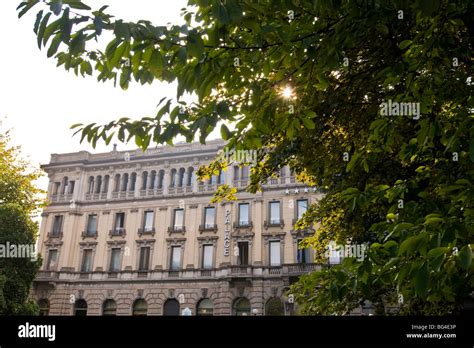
<point>207,256</point>
<point>57,225</point>
<point>56,187</point>
<point>115,260</point>
<point>209,217</point>
<point>86,265</point>
<point>275,253</point>
<point>274,212</point>
<point>178,221</point>
<point>144,264</point>
<point>301,207</point>
<point>119,222</point>
<point>302,255</point>
<point>245,172</point>
<point>244,214</point>
<point>71,187</point>
<point>236,173</point>
<point>92,225</point>
<point>148,227</point>
<point>175,258</point>
<point>243,258</point>
<point>52,259</point>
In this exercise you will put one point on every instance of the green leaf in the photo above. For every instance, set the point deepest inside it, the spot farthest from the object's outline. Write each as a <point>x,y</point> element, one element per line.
<point>27,6</point>
<point>465,257</point>
<point>225,132</point>
<point>420,280</point>
<point>404,44</point>
<point>308,123</point>
<point>39,16</point>
<point>382,28</point>
<point>66,26</point>
<point>53,48</point>
<point>78,5</point>
<point>42,28</point>
<point>77,44</point>
<point>56,6</point>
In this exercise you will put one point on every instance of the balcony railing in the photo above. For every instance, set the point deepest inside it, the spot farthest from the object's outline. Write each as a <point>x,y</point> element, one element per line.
<point>241,270</point>
<point>146,230</point>
<point>65,197</point>
<point>173,274</point>
<point>55,234</point>
<point>302,268</point>
<point>89,234</point>
<point>176,229</point>
<point>274,223</point>
<point>117,232</point>
<point>208,227</point>
<point>206,272</point>
<point>243,224</point>
<point>246,271</point>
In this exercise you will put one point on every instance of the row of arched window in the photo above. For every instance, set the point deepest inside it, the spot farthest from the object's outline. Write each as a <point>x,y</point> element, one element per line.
<point>205,307</point>
<point>150,180</point>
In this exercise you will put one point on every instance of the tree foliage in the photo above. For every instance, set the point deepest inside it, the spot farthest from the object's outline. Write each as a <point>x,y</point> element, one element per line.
<point>303,81</point>
<point>19,200</point>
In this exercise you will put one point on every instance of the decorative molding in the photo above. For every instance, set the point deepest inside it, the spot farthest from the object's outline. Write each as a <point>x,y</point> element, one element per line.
<point>193,206</point>
<point>145,242</point>
<point>133,210</point>
<point>106,212</point>
<point>204,292</point>
<point>116,243</point>
<point>207,239</point>
<point>163,208</point>
<point>175,241</point>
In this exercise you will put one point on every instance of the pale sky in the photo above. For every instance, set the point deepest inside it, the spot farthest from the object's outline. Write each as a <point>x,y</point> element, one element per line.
<point>41,101</point>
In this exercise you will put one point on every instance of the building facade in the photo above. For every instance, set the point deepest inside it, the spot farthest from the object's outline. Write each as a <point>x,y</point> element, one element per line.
<point>135,233</point>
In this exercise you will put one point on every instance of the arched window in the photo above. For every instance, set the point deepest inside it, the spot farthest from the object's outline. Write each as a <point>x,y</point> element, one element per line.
<point>274,306</point>
<point>98,184</point>
<point>241,307</point>
<point>80,307</point>
<point>91,185</point>
<point>181,177</point>
<point>161,178</point>
<point>109,307</point>
<point>140,307</point>
<point>205,307</point>
<point>153,179</point>
<point>105,188</point>
<point>191,177</point>
<point>171,307</point>
<point>117,183</point>
<point>133,181</point>
<point>124,182</point>
<point>43,305</point>
<point>173,178</point>
<point>144,180</point>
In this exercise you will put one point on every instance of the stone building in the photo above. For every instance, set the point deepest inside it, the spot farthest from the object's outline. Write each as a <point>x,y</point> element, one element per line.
<point>134,233</point>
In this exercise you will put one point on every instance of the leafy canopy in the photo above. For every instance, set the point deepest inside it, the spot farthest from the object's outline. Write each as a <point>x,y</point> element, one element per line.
<point>303,81</point>
<point>19,199</point>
